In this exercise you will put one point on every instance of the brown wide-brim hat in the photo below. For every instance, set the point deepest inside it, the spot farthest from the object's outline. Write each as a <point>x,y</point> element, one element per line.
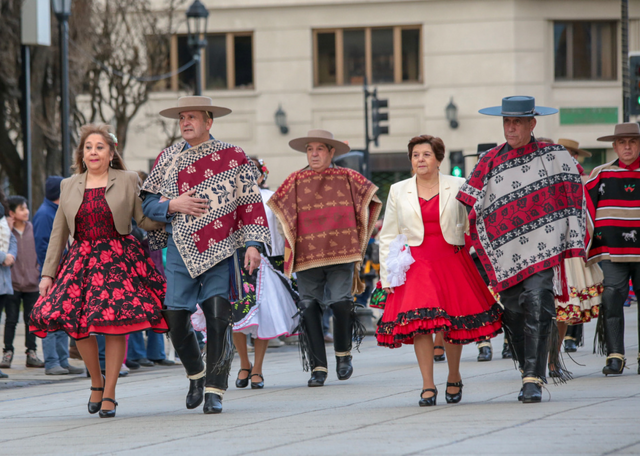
<point>323,136</point>
<point>195,104</point>
<point>623,130</point>
<point>572,145</point>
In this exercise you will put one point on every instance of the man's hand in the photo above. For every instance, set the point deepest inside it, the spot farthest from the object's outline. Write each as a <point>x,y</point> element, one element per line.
<point>187,204</point>
<point>45,285</point>
<point>252,259</point>
<point>388,290</point>
<point>9,260</point>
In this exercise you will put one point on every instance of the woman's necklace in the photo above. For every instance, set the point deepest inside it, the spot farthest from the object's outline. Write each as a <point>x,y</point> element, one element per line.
<point>429,188</point>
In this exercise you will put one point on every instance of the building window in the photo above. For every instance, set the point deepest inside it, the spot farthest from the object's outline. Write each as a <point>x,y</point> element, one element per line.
<point>385,55</point>
<point>227,62</point>
<point>598,157</point>
<point>585,50</point>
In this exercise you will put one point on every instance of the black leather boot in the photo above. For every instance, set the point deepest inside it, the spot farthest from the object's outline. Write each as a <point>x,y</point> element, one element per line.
<point>485,351</point>
<point>612,309</point>
<point>343,322</point>
<point>573,338</point>
<point>539,311</point>
<point>506,351</point>
<point>212,403</point>
<point>185,342</point>
<point>513,323</point>
<point>218,314</point>
<point>311,339</point>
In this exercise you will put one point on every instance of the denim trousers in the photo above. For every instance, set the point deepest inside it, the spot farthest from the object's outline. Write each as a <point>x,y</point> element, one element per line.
<point>55,348</point>
<point>154,350</point>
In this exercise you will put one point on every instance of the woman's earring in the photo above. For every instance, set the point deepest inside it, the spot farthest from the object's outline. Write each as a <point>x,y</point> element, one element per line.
<point>84,165</point>
<point>111,163</point>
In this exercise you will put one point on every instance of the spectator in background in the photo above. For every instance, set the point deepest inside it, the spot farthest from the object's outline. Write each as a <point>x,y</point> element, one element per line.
<point>8,253</point>
<point>55,346</point>
<point>24,278</point>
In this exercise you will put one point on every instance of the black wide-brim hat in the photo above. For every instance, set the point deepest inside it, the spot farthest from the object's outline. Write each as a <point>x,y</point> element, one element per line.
<point>518,106</point>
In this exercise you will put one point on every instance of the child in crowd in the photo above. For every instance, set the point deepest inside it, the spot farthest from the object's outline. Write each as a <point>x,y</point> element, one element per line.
<point>8,253</point>
<point>25,278</point>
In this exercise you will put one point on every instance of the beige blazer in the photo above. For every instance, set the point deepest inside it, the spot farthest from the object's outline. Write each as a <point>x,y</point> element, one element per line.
<point>403,216</point>
<point>122,195</point>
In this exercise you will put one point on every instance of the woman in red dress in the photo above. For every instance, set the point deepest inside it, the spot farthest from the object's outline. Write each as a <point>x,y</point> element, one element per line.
<point>106,283</point>
<point>443,290</point>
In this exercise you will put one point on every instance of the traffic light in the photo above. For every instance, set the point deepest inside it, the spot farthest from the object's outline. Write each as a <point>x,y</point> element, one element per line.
<point>456,160</point>
<point>634,93</point>
<point>379,114</point>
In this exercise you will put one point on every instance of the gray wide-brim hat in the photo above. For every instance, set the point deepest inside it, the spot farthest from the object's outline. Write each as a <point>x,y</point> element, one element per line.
<point>195,103</point>
<point>322,136</point>
<point>623,130</point>
<point>518,106</point>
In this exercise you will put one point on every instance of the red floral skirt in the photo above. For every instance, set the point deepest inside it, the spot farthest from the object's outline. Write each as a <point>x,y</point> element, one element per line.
<point>443,292</point>
<point>104,286</point>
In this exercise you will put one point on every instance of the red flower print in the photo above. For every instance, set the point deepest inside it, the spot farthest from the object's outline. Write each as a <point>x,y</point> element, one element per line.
<point>67,306</point>
<point>54,315</point>
<point>77,266</point>
<point>85,248</point>
<point>109,314</point>
<point>97,280</point>
<point>128,285</point>
<point>74,291</point>
<point>105,256</point>
<point>136,302</point>
<point>141,268</point>
<point>104,295</point>
<point>149,307</point>
<point>92,262</point>
<point>46,309</point>
<point>116,246</point>
<point>118,294</point>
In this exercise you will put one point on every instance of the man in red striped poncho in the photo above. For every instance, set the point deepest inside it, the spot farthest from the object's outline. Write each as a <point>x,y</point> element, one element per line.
<point>614,237</point>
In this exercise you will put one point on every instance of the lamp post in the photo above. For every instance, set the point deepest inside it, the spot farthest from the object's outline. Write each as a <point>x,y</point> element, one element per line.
<point>62,10</point>
<point>452,114</point>
<point>281,120</point>
<point>197,16</point>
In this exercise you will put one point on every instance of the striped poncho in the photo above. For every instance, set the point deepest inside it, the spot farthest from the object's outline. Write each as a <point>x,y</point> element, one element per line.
<point>613,213</point>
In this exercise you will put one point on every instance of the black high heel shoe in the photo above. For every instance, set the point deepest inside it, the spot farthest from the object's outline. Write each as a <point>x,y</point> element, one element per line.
<point>428,401</point>
<point>453,398</point>
<point>257,385</point>
<point>94,407</point>
<point>244,382</point>
<point>108,413</point>
<point>438,357</point>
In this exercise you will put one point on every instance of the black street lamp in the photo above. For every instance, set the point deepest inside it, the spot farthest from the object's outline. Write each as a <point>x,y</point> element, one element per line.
<point>197,16</point>
<point>452,114</point>
<point>62,10</point>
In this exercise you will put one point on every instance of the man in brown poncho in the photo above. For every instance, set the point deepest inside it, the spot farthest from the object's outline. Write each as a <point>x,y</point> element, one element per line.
<point>327,214</point>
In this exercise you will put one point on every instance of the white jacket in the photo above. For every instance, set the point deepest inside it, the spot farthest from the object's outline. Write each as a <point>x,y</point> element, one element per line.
<point>404,216</point>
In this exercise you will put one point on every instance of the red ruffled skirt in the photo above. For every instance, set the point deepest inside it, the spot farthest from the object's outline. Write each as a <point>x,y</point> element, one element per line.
<point>443,292</point>
<point>104,286</point>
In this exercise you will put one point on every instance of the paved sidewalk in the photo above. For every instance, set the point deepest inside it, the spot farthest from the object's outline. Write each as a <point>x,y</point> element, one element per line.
<point>374,413</point>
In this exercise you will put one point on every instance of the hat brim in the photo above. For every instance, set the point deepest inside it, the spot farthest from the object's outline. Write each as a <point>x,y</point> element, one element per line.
<point>580,152</point>
<point>174,113</point>
<point>300,144</point>
<point>614,137</point>
<point>497,111</point>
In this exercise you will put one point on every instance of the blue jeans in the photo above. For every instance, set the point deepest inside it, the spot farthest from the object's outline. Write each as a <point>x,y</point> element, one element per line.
<point>56,349</point>
<point>154,350</point>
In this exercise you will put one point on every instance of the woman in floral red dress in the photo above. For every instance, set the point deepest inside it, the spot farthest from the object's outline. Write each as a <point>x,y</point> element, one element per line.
<point>106,283</point>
